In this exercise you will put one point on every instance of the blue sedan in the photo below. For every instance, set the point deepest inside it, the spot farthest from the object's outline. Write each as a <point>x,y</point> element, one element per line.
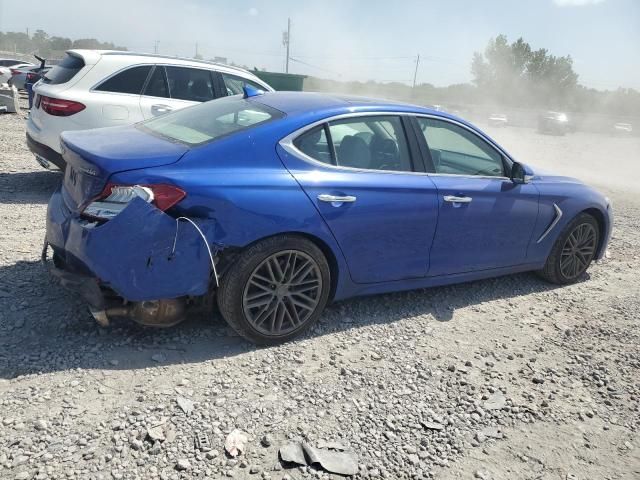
<point>277,203</point>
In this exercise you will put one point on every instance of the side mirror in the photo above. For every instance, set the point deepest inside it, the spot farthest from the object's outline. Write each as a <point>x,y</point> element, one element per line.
<point>518,173</point>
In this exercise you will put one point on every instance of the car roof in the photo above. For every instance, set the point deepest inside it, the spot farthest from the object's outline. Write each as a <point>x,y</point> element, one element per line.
<point>92,56</point>
<point>294,103</point>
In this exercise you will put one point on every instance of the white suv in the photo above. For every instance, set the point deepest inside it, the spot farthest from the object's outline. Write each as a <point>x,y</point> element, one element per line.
<point>103,88</point>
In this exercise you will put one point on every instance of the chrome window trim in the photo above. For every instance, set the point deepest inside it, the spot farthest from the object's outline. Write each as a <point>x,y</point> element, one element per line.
<point>169,58</point>
<point>555,221</point>
<point>287,144</point>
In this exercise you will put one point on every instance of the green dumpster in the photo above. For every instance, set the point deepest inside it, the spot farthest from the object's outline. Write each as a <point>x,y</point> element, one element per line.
<point>282,81</point>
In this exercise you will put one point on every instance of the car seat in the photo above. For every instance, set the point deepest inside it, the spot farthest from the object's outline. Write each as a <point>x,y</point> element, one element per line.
<point>384,154</point>
<point>200,91</point>
<point>354,152</point>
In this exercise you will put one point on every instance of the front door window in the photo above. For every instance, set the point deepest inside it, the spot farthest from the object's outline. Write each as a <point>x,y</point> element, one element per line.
<point>456,151</point>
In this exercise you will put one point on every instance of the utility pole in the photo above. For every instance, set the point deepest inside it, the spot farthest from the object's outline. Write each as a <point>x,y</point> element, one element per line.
<point>155,46</point>
<point>196,50</point>
<point>415,73</point>
<point>286,40</point>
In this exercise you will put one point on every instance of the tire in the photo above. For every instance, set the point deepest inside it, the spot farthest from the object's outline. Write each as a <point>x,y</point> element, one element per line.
<point>559,268</point>
<point>255,285</point>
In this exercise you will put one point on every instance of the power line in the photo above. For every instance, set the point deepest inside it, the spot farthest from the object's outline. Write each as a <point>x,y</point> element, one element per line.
<point>314,66</point>
<point>342,57</point>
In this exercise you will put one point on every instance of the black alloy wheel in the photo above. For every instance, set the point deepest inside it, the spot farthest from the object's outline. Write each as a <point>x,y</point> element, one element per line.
<point>282,292</point>
<point>573,251</point>
<point>275,289</point>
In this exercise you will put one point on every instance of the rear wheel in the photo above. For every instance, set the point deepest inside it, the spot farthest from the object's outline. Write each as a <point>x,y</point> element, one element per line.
<point>275,290</point>
<point>573,252</point>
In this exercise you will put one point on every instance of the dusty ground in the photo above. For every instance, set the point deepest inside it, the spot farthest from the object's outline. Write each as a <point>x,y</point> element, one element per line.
<point>508,378</point>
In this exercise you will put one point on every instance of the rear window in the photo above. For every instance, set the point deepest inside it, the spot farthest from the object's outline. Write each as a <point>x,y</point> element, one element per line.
<point>65,70</point>
<point>208,121</point>
<point>130,80</point>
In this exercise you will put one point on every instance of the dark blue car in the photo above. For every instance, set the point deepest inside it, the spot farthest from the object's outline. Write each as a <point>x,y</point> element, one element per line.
<point>278,203</point>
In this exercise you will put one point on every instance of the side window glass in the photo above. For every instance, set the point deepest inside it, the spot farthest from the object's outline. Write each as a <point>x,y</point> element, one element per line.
<point>191,84</point>
<point>157,85</point>
<point>375,143</point>
<point>314,144</point>
<point>235,84</point>
<point>130,80</point>
<point>455,150</point>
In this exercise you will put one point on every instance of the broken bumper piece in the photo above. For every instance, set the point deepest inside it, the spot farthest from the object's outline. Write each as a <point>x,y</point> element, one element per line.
<point>140,255</point>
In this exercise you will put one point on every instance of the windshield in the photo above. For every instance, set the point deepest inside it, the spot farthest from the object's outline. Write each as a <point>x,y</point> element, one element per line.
<point>211,120</point>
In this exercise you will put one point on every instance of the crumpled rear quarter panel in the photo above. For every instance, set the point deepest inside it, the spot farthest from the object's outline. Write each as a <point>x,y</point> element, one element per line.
<point>132,253</point>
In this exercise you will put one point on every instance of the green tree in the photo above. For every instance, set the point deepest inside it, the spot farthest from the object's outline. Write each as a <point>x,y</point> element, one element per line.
<point>60,44</point>
<point>41,44</point>
<point>514,74</point>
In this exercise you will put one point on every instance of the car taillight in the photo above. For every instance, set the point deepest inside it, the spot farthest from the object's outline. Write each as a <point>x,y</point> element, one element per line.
<point>15,71</point>
<point>60,108</point>
<point>114,198</point>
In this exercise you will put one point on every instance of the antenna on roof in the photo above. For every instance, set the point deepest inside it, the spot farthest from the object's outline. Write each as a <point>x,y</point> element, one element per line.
<point>250,91</point>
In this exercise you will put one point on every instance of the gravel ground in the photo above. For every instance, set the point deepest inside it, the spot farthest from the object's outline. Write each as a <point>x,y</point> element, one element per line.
<point>509,378</point>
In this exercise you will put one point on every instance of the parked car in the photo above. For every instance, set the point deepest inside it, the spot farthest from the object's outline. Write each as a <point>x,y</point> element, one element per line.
<point>98,88</point>
<point>498,120</point>
<point>278,203</point>
<point>27,73</point>
<point>9,62</point>
<point>23,75</point>
<point>622,129</point>
<point>6,66</point>
<point>554,123</point>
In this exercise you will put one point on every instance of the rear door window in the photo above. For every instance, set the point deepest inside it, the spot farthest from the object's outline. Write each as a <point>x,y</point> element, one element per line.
<point>193,84</point>
<point>157,84</point>
<point>130,80</point>
<point>235,84</point>
<point>372,143</point>
<point>369,143</point>
<point>315,144</point>
<point>65,70</point>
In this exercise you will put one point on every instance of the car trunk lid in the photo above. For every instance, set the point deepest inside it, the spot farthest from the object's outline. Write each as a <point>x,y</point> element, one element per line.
<point>92,156</point>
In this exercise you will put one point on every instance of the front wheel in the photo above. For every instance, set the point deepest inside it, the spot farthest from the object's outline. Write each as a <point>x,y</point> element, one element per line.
<point>573,251</point>
<point>275,290</point>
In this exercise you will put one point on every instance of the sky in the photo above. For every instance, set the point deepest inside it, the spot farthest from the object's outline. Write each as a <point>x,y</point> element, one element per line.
<point>355,39</point>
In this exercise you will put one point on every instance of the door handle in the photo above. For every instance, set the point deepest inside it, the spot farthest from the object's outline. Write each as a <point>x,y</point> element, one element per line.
<point>160,109</point>
<point>454,199</point>
<point>325,197</point>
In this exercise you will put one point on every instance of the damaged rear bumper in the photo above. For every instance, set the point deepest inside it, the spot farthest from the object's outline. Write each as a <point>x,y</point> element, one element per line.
<point>140,254</point>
